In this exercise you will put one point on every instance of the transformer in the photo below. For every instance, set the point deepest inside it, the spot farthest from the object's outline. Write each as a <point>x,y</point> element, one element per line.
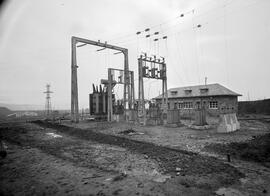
<point>98,102</point>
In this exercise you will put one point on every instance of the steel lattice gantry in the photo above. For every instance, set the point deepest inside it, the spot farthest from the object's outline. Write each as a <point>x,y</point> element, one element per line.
<point>74,80</point>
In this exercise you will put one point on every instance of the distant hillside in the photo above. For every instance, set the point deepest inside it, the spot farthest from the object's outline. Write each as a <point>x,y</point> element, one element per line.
<point>4,112</point>
<point>254,107</point>
<point>23,107</point>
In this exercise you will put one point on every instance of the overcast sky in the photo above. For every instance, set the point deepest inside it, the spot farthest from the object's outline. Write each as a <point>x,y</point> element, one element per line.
<point>232,46</point>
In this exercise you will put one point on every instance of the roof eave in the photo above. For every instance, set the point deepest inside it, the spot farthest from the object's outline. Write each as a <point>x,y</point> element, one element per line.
<point>236,95</point>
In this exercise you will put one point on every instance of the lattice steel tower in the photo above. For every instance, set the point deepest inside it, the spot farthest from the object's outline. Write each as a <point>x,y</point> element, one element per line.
<point>48,106</point>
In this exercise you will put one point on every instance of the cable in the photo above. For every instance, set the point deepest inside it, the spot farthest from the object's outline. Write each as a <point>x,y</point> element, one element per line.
<point>226,44</point>
<point>182,52</point>
<point>180,56</point>
<point>202,64</point>
<point>131,35</point>
<point>178,61</point>
<point>131,41</point>
<point>196,49</point>
<point>170,20</point>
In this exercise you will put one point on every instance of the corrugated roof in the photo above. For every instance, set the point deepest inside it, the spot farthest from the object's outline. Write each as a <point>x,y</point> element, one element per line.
<point>197,91</point>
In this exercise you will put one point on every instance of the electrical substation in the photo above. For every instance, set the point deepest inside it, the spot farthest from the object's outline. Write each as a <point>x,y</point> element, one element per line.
<point>102,102</point>
<point>166,109</point>
<point>135,98</point>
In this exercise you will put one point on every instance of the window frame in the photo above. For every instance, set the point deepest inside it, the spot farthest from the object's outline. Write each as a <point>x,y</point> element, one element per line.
<point>213,105</point>
<point>187,105</point>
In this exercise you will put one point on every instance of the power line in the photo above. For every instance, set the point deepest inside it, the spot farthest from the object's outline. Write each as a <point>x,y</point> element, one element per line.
<point>226,44</point>
<point>178,61</point>
<point>196,50</point>
<point>183,57</point>
<point>131,35</point>
<point>182,15</point>
<point>201,53</point>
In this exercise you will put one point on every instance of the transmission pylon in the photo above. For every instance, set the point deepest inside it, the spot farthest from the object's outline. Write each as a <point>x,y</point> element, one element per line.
<point>48,106</point>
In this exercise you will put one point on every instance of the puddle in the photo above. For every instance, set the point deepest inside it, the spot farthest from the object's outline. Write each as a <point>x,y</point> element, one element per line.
<point>229,192</point>
<point>161,178</point>
<point>53,135</point>
<point>150,174</point>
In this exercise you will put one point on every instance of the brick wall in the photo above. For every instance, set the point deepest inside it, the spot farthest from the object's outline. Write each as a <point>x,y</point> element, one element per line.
<point>225,104</point>
<point>254,107</point>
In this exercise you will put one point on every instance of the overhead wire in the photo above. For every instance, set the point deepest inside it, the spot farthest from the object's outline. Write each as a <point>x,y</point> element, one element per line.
<point>180,58</point>
<point>226,44</point>
<point>196,49</point>
<point>194,16</point>
<point>183,57</point>
<point>170,28</point>
<point>166,22</point>
<point>198,35</point>
<point>201,56</point>
<point>178,62</point>
<point>184,14</point>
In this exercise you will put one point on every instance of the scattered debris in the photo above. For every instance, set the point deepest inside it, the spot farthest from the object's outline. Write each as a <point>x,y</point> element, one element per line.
<point>119,177</point>
<point>228,192</point>
<point>256,149</point>
<point>53,135</point>
<point>196,127</point>
<point>127,132</point>
<point>202,174</point>
<point>140,185</point>
<point>116,192</point>
<point>130,132</point>
<point>161,178</point>
<point>178,169</point>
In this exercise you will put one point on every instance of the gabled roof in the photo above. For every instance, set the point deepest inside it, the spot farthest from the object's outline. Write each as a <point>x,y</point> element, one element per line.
<point>199,91</point>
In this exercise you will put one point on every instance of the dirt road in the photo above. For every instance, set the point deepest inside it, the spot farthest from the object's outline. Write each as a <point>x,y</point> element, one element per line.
<point>51,159</point>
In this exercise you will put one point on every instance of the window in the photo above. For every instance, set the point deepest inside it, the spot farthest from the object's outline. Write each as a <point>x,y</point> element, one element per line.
<point>181,105</point>
<point>188,92</point>
<point>203,90</point>
<point>213,105</point>
<point>173,92</point>
<point>188,105</point>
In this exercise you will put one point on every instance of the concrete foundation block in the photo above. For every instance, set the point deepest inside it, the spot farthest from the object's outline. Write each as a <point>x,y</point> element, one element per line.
<point>228,123</point>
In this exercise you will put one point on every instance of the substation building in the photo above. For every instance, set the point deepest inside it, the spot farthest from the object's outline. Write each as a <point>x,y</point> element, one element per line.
<point>214,98</point>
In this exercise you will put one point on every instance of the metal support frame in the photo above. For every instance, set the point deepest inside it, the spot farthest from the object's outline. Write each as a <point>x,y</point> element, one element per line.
<point>48,106</point>
<point>155,73</point>
<point>74,83</point>
<point>130,84</point>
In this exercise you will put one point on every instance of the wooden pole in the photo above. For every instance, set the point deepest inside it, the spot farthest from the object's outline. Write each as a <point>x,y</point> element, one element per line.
<point>127,97</point>
<point>74,86</point>
<point>141,106</point>
<point>110,112</point>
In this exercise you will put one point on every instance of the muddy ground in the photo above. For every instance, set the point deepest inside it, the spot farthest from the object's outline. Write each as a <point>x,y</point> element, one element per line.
<point>106,159</point>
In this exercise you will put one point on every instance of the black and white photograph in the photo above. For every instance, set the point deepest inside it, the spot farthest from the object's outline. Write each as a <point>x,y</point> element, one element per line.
<point>135,97</point>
